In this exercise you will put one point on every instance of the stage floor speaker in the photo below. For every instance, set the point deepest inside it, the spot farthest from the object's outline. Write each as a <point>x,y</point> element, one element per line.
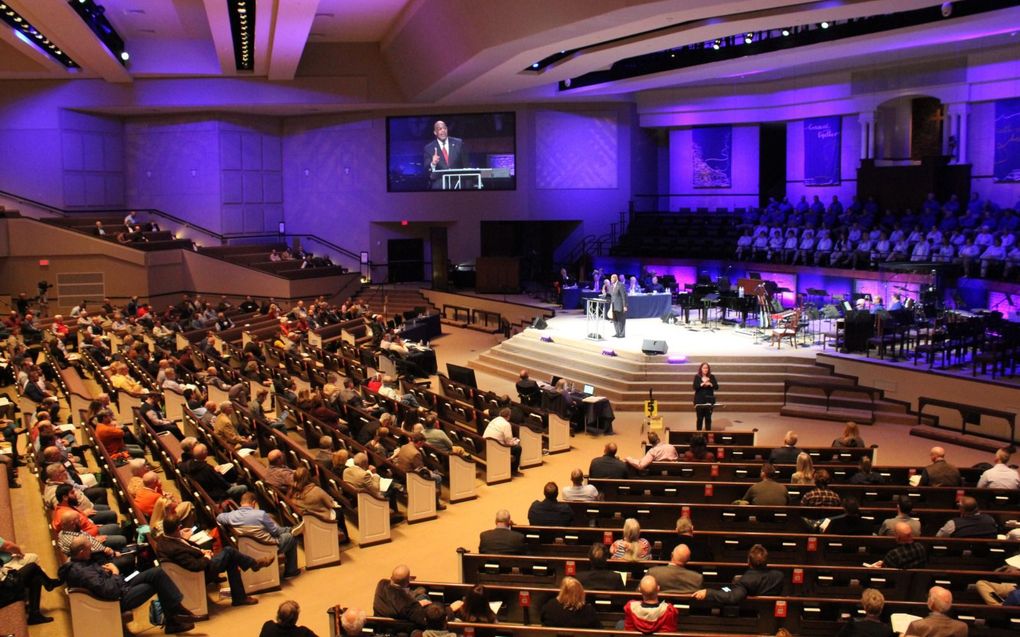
<point>539,323</point>
<point>650,347</point>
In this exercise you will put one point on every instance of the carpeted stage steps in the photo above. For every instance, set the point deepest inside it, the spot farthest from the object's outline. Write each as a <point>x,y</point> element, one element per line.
<point>750,383</point>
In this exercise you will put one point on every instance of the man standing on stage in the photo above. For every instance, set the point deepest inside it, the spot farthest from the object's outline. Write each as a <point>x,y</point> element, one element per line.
<point>617,294</point>
<point>442,153</point>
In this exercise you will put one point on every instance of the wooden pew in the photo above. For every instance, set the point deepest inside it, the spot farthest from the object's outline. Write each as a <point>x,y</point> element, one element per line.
<point>751,470</point>
<point>875,495</point>
<point>800,548</point>
<point>743,438</point>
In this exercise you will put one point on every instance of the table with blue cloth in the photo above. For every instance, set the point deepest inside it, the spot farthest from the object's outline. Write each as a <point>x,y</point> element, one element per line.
<point>652,305</point>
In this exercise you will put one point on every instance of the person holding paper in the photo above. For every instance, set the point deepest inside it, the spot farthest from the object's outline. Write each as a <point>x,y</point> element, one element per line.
<point>29,580</point>
<point>443,153</point>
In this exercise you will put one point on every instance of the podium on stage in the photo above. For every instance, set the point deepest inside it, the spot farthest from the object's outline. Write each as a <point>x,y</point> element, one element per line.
<point>594,315</point>
<point>462,178</point>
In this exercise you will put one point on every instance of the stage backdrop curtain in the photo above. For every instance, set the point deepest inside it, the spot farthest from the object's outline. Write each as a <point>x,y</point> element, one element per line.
<point>712,153</point>
<point>1007,140</point>
<point>821,150</point>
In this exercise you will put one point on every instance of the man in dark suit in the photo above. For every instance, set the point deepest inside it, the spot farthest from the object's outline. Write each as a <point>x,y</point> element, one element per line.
<point>787,454</point>
<point>756,580</point>
<point>548,511</point>
<point>616,291</point>
<point>528,390</point>
<point>172,547</point>
<point>503,539</point>
<point>937,623</point>
<point>940,473</point>
<point>442,153</point>
<point>216,486</point>
<point>599,575</point>
<point>608,465</point>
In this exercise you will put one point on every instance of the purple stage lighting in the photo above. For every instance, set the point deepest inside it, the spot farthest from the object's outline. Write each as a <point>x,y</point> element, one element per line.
<point>546,339</point>
<point>676,359</point>
<point>608,352</point>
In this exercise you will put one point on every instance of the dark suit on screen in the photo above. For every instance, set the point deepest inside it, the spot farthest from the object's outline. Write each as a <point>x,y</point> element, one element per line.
<point>456,155</point>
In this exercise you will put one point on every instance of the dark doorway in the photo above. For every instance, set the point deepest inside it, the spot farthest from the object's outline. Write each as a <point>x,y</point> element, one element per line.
<point>406,259</point>
<point>440,257</point>
<point>771,162</point>
<point>534,242</point>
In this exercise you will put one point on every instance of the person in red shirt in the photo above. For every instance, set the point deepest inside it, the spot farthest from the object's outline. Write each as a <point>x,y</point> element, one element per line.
<point>111,436</point>
<point>649,614</point>
<point>67,500</point>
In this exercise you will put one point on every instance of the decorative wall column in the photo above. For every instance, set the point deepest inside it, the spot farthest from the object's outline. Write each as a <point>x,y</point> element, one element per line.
<point>867,122</point>
<point>955,132</point>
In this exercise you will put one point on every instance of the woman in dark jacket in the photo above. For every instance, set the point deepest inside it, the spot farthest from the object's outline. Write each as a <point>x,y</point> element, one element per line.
<point>705,385</point>
<point>569,609</point>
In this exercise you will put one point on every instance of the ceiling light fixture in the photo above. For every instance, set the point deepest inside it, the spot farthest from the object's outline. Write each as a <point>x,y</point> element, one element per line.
<point>242,29</point>
<point>825,25</point>
<point>94,17</point>
<point>23,29</point>
<point>717,44</point>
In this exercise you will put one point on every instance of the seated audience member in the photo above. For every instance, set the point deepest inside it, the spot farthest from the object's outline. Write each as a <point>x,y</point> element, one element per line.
<point>701,551</point>
<point>569,608</point>
<point>474,607</point>
<point>993,256</point>
<point>278,474</point>
<point>212,481</point>
<point>309,497</point>
<point>607,465</point>
<point>173,546</point>
<point>675,577</point>
<point>767,491</point>
<point>436,622</point>
<point>1001,475</point>
<point>249,520</point>
<point>938,623</point>
<point>821,495</point>
<point>940,473</point>
<point>578,491</point>
<point>435,436</point>
<point>112,436</point>
<point>658,451</point>
<point>152,490</point>
<point>286,623</point>
<point>500,430</point>
<point>850,521</point>
<point>631,547</point>
<point>907,553</point>
<point>24,581</point>
<point>698,450</point>
<point>999,593</point>
<point>851,437</point>
<point>225,428</point>
<point>600,575</point>
<point>108,534</point>
<point>395,598</point>
<point>649,614</point>
<point>503,539</point>
<point>871,625</point>
<point>904,507</point>
<point>865,474</point>
<point>787,454</point>
<point>971,523</point>
<point>549,511</point>
<point>154,416</point>
<point>805,473</point>
<point>105,582</point>
<point>757,580</point>
<point>528,390</point>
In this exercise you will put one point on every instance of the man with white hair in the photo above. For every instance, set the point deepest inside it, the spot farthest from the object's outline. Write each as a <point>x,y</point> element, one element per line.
<point>352,622</point>
<point>937,623</point>
<point>1001,475</point>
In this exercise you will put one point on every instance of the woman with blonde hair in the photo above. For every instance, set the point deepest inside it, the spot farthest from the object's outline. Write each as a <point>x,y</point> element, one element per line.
<point>569,609</point>
<point>851,437</point>
<point>805,473</point>
<point>631,547</point>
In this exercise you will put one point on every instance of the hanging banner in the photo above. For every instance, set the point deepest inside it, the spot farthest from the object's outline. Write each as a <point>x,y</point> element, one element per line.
<point>821,150</point>
<point>1007,140</point>
<point>712,151</point>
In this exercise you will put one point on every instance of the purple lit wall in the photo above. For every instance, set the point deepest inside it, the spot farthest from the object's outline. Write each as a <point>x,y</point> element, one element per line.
<point>251,176</point>
<point>744,167</point>
<point>576,150</point>
<point>92,155</point>
<point>982,156</point>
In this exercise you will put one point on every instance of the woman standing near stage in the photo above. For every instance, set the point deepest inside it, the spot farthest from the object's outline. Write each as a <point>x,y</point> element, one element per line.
<point>705,385</point>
